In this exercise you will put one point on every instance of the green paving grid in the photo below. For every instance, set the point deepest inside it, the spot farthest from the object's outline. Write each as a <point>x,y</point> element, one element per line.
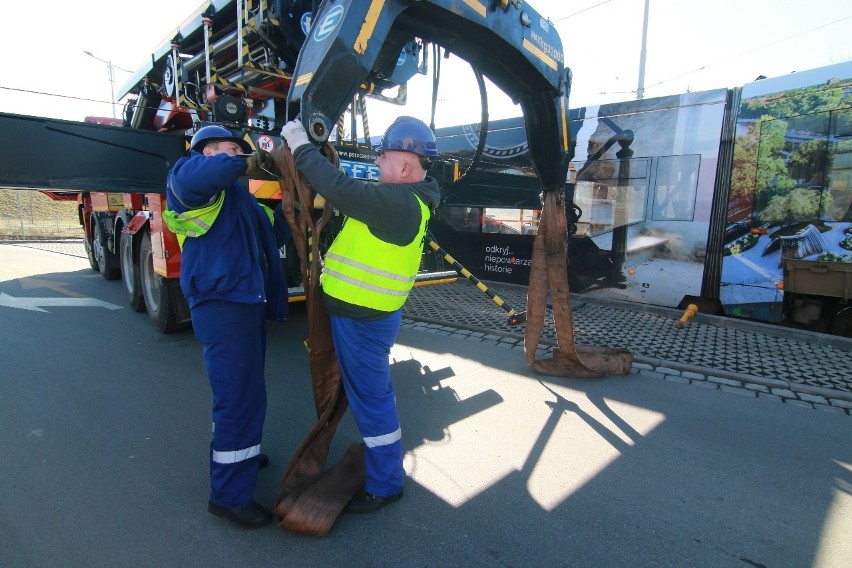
<point>742,349</point>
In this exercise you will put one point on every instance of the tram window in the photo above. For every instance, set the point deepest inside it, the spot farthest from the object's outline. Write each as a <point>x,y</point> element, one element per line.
<point>797,175</point>
<point>491,220</point>
<point>510,221</point>
<point>675,188</point>
<point>608,201</point>
<point>842,123</point>
<point>840,166</point>
<point>466,219</point>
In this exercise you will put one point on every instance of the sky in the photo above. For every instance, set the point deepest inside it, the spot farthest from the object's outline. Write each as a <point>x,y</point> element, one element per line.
<point>691,46</point>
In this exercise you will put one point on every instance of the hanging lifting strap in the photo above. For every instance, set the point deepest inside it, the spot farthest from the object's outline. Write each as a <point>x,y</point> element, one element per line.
<point>310,497</point>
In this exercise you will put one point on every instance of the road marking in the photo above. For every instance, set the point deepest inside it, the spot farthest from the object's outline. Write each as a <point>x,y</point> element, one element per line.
<point>33,304</point>
<point>29,283</point>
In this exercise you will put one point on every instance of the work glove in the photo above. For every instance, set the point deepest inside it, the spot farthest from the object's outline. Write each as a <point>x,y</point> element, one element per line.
<point>260,165</point>
<point>295,135</point>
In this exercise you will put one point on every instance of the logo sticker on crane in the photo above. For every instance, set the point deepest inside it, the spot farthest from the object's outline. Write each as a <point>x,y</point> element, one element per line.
<point>329,23</point>
<point>265,143</point>
<point>305,22</point>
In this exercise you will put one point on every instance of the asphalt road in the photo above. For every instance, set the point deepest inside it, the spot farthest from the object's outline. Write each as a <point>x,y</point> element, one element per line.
<point>105,432</point>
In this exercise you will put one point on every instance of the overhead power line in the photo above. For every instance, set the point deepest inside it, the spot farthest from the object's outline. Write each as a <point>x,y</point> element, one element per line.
<point>581,11</point>
<point>54,95</point>
<point>703,67</point>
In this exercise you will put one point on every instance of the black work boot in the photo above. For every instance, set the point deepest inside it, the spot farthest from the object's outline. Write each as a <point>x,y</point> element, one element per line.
<point>252,515</point>
<point>364,502</point>
<point>262,461</point>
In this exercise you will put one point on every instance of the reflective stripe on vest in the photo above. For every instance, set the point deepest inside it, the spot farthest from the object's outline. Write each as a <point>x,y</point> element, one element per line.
<point>366,271</point>
<point>195,222</point>
<point>269,213</point>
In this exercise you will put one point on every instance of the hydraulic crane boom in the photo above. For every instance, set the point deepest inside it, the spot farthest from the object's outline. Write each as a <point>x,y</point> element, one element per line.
<point>509,42</point>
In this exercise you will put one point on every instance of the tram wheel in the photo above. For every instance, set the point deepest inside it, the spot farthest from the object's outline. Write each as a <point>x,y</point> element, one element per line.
<point>841,323</point>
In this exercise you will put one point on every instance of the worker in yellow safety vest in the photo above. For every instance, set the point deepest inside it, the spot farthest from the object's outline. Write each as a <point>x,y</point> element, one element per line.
<point>367,274</point>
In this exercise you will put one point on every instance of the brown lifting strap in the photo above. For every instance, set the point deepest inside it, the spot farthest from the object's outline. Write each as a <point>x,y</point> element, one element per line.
<point>549,270</point>
<point>310,497</point>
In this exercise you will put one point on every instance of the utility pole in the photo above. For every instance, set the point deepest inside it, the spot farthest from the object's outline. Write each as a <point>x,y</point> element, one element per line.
<point>640,90</point>
<point>111,76</point>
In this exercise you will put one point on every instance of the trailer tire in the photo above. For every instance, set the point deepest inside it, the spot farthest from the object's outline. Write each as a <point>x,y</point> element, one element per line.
<point>90,253</point>
<point>107,260</point>
<point>158,292</point>
<point>130,273</point>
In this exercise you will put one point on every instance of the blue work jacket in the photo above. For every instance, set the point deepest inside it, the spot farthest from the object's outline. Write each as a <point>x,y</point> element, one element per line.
<point>237,259</point>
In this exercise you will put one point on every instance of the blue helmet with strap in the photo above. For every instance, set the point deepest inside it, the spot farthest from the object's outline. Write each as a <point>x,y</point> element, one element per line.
<point>216,133</point>
<point>408,134</point>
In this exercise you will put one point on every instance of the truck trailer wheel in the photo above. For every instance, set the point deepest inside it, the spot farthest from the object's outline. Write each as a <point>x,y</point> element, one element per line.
<point>130,274</point>
<point>90,253</point>
<point>157,291</point>
<point>107,261</point>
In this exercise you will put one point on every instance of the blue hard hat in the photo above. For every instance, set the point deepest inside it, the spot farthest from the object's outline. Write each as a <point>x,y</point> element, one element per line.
<point>408,134</point>
<point>216,133</point>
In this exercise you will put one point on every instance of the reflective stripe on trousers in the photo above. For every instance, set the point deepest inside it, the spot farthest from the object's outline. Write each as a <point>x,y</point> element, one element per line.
<point>363,351</point>
<point>383,440</point>
<point>235,455</point>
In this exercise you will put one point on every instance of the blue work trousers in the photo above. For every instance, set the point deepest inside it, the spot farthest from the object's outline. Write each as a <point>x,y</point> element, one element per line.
<point>234,340</point>
<point>363,351</point>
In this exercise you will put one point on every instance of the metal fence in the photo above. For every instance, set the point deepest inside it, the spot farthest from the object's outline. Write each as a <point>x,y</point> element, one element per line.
<point>26,214</point>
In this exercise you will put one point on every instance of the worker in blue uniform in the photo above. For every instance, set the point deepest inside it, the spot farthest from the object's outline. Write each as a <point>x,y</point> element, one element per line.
<point>232,279</point>
<point>367,274</point>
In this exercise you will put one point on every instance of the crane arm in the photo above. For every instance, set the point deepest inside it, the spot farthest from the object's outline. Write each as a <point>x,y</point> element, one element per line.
<point>509,42</point>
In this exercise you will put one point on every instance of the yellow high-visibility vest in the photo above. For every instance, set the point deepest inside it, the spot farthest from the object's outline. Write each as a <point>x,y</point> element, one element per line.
<point>366,271</point>
<point>196,222</point>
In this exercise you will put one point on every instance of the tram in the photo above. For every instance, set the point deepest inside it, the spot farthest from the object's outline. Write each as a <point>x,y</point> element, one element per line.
<point>737,199</point>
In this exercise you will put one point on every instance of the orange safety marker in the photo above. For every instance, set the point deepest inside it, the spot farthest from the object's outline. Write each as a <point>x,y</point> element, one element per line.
<point>688,314</point>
